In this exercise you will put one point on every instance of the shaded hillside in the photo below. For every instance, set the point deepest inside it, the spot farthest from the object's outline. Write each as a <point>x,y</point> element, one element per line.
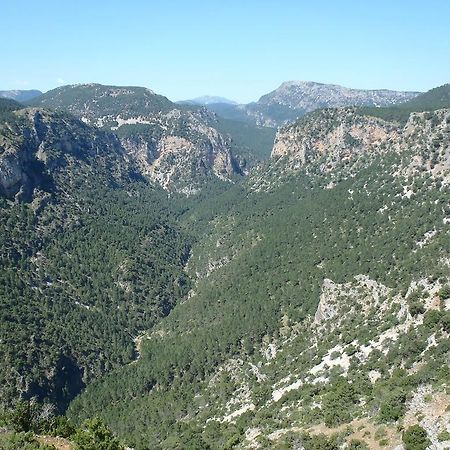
<point>90,255</point>
<point>251,142</point>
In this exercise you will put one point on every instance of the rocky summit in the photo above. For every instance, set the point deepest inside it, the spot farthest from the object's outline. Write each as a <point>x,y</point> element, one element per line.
<point>308,96</point>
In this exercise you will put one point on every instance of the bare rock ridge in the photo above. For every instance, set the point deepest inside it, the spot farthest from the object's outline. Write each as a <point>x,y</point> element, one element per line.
<point>308,96</point>
<point>36,145</point>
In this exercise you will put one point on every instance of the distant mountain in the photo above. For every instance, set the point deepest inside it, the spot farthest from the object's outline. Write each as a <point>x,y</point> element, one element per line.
<point>7,105</point>
<point>308,96</point>
<point>21,96</point>
<point>293,99</point>
<point>431,100</point>
<point>236,112</point>
<point>206,100</point>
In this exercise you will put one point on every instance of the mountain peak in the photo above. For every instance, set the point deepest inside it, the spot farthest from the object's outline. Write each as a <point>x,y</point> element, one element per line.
<point>93,100</point>
<point>97,88</point>
<point>302,83</point>
<point>310,95</point>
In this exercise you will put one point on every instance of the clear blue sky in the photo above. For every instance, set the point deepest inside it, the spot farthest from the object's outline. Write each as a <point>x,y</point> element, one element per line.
<point>238,49</point>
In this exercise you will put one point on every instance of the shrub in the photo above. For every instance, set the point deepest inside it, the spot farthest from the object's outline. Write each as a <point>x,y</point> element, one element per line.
<point>338,402</point>
<point>21,417</point>
<point>416,307</point>
<point>61,426</point>
<point>444,293</point>
<point>356,444</point>
<point>95,435</point>
<point>432,318</point>
<point>393,407</point>
<point>443,436</point>
<point>446,321</point>
<point>318,442</point>
<point>22,441</point>
<point>415,438</point>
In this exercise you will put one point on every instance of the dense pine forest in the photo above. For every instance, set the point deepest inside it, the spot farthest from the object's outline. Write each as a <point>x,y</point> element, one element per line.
<point>300,300</point>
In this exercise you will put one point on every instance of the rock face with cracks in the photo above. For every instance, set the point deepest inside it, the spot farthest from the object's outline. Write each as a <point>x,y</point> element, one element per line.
<point>175,146</point>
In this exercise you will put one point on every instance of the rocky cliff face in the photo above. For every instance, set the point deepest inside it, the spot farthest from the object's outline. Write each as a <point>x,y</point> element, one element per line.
<point>176,147</point>
<point>37,145</point>
<point>336,133</point>
<point>337,136</point>
<point>182,157</point>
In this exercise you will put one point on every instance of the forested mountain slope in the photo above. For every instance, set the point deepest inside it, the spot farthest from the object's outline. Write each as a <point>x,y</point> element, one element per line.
<point>90,255</point>
<point>319,298</point>
<point>7,105</point>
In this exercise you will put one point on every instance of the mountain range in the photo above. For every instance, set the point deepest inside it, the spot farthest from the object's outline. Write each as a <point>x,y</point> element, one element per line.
<point>169,281</point>
<point>293,99</point>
